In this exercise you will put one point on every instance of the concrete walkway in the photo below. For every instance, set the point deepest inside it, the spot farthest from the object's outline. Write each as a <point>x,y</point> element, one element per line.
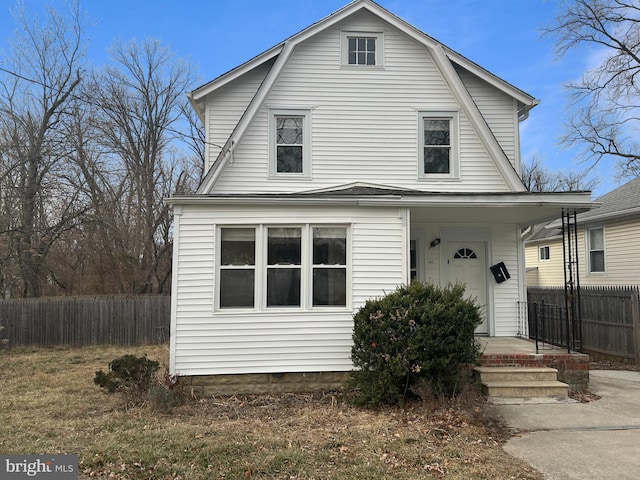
<point>568,440</point>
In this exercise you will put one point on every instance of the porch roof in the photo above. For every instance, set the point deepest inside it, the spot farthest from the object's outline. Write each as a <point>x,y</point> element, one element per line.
<point>522,208</point>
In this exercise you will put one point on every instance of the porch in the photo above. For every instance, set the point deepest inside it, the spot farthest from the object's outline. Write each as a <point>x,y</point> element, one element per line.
<point>517,352</point>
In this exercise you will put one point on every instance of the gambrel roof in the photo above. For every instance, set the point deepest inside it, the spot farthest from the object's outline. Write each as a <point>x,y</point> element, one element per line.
<point>445,59</point>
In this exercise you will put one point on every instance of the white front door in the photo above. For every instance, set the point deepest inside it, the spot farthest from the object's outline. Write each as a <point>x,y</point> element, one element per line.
<point>467,264</point>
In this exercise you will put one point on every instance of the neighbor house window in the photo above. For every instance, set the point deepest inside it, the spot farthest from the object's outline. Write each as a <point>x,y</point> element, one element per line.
<point>596,250</point>
<point>290,143</point>
<point>438,154</point>
<point>362,49</point>
<point>237,267</point>
<point>265,267</point>
<point>543,253</point>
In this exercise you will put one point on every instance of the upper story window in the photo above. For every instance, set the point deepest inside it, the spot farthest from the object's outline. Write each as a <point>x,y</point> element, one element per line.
<point>438,132</point>
<point>596,250</point>
<point>544,253</point>
<point>362,49</point>
<point>290,150</point>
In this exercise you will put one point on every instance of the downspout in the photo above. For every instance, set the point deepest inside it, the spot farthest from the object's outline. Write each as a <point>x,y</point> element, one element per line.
<point>523,113</point>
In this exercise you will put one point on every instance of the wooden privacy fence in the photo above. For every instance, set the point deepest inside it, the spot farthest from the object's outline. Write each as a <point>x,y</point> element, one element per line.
<point>87,320</point>
<point>610,319</point>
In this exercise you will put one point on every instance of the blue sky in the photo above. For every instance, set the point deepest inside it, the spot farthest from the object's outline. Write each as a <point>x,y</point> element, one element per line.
<point>502,36</point>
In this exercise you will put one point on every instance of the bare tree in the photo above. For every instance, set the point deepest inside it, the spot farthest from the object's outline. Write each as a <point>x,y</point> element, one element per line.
<point>141,98</point>
<point>606,100</point>
<point>39,77</point>
<point>538,178</point>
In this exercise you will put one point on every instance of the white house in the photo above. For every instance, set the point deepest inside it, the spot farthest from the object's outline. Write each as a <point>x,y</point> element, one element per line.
<point>350,158</point>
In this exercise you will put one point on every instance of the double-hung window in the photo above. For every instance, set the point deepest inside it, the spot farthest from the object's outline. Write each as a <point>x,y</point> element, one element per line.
<point>544,253</point>
<point>290,144</point>
<point>299,266</point>
<point>596,250</point>
<point>438,133</point>
<point>237,267</point>
<point>329,266</point>
<point>284,267</point>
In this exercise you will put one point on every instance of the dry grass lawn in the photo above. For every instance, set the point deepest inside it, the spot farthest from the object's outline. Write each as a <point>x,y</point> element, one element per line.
<point>50,405</point>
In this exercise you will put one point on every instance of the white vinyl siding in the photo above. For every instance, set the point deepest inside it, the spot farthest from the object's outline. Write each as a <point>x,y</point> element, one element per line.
<point>219,342</point>
<point>364,120</point>
<point>500,112</point>
<point>505,240</point>
<point>226,106</point>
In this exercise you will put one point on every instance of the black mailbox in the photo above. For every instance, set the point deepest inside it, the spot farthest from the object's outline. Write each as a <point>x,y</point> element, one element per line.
<point>500,272</point>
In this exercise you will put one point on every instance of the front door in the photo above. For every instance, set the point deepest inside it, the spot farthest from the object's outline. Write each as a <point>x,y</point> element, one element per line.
<point>467,264</point>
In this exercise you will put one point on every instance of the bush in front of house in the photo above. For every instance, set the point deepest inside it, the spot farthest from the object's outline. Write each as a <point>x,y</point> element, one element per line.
<point>420,336</point>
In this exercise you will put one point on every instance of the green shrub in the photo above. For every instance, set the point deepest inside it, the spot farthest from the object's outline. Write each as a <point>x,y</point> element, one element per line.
<point>131,375</point>
<point>419,335</point>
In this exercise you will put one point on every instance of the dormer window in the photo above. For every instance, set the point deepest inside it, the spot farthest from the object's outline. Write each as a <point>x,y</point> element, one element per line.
<point>290,139</point>
<point>362,49</point>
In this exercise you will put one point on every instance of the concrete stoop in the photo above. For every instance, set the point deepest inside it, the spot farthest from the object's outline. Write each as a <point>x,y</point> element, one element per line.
<point>521,382</point>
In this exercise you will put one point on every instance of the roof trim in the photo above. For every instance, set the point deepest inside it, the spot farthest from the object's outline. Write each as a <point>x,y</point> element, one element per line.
<point>247,118</point>
<point>501,161</point>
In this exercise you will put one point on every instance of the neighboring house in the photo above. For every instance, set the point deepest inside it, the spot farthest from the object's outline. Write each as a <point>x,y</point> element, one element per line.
<point>345,161</point>
<point>608,246</point>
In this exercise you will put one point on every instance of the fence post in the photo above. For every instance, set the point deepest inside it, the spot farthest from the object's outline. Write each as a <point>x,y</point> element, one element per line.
<point>635,317</point>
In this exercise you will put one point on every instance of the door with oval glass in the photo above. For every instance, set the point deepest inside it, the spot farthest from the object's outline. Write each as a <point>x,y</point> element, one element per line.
<point>467,264</point>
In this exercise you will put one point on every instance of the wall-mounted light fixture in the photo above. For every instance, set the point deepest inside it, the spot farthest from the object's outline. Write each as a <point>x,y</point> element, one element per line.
<point>434,242</point>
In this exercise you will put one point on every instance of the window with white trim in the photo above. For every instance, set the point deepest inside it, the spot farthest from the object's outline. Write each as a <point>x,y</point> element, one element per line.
<point>544,253</point>
<point>362,49</point>
<point>596,250</point>
<point>290,139</point>
<point>329,266</point>
<point>237,271</point>
<point>284,266</point>
<point>438,140</point>
<point>265,267</point>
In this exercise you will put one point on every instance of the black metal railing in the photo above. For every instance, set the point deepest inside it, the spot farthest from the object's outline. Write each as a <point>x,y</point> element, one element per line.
<point>551,326</point>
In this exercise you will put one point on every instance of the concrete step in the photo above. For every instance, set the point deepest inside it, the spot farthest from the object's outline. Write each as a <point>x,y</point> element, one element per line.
<point>525,389</point>
<point>520,374</point>
<point>521,382</point>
